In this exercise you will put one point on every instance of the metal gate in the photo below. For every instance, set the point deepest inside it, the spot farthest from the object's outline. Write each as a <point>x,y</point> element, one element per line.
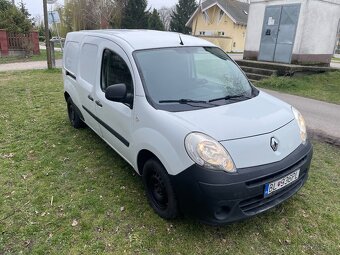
<point>278,33</point>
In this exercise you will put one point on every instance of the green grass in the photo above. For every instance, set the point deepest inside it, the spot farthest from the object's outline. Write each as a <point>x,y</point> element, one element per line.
<point>324,87</point>
<point>41,57</point>
<point>52,174</point>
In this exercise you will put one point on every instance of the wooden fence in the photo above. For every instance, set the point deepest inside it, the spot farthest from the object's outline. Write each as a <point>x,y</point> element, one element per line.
<point>16,42</point>
<point>19,41</point>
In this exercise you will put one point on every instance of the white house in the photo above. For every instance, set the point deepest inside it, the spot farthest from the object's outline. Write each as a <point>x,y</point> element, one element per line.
<point>292,31</point>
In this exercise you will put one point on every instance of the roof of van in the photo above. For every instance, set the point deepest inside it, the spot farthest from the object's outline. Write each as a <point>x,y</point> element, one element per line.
<point>147,39</point>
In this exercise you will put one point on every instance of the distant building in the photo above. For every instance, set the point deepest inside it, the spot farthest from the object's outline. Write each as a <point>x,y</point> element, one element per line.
<point>337,45</point>
<point>292,31</point>
<point>222,22</point>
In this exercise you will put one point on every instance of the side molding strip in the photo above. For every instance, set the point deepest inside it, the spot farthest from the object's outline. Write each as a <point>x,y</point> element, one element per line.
<point>108,128</point>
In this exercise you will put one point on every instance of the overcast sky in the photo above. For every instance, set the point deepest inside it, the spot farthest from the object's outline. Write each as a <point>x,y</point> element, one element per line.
<point>35,6</point>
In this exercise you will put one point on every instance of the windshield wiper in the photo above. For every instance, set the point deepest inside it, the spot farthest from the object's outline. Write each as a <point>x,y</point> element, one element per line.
<point>229,97</point>
<point>183,101</point>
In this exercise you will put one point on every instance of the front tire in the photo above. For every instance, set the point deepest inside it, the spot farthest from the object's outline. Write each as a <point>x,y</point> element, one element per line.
<point>159,191</point>
<point>73,116</point>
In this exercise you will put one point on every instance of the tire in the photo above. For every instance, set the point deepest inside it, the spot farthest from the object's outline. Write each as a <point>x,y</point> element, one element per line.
<point>159,190</point>
<point>73,116</point>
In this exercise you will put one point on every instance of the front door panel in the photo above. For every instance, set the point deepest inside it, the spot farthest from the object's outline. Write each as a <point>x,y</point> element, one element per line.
<point>116,119</point>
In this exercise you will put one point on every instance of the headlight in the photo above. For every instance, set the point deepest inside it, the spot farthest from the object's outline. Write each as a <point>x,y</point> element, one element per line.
<point>207,152</point>
<point>302,125</point>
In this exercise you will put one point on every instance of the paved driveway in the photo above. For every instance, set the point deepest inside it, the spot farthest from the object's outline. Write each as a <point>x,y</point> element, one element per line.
<point>323,119</point>
<point>27,65</point>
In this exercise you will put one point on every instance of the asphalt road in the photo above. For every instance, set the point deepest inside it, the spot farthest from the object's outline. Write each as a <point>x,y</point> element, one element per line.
<point>323,119</point>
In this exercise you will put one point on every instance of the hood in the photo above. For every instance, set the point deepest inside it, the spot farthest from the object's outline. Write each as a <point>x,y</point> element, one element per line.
<point>257,116</point>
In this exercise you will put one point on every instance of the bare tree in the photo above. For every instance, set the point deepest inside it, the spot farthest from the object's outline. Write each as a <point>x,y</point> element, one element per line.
<point>165,14</point>
<point>93,14</point>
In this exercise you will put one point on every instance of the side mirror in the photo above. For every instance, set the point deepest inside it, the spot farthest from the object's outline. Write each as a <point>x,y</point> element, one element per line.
<point>116,93</point>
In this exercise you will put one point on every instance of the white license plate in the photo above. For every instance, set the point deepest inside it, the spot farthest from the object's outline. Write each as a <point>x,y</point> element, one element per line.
<point>279,184</point>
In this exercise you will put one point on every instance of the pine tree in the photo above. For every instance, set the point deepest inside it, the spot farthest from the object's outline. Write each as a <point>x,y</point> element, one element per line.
<point>181,15</point>
<point>135,14</point>
<point>155,22</point>
<point>12,19</point>
<point>23,9</point>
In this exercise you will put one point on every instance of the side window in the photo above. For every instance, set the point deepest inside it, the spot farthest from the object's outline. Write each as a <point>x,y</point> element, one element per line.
<point>87,62</point>
<point>115,71</point>
<point>71,52</point>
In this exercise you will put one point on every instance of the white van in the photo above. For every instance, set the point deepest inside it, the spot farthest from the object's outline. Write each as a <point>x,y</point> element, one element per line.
<point>206,142</point>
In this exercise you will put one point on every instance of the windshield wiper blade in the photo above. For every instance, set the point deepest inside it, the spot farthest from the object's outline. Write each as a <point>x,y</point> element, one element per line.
<point>229,97</point>
<point>183,101</point>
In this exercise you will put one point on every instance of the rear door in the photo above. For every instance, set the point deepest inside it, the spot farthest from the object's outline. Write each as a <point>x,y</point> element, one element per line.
<point>88,74</point>
<point>116,119</point>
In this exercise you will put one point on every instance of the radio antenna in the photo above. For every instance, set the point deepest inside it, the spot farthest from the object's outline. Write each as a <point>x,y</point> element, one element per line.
<point>180,38</point>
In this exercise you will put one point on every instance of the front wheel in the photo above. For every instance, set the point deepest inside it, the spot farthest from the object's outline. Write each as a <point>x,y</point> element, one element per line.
<point>159,191</point>
<point>73,116</point>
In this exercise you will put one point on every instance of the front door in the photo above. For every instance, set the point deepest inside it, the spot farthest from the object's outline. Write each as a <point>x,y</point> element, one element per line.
<point>116,119</point>
<point>278,33</point>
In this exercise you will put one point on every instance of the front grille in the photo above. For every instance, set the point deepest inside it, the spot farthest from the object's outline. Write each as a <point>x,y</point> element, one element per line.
<point>277,175</point>
<point>260,203</point>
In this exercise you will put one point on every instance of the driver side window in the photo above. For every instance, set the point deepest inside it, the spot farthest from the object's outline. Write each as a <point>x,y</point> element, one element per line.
<point>115,71</point>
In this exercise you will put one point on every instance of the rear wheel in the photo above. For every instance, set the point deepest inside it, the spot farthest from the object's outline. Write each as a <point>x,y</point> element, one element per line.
<point>73,116</point>
<point>159,190</point>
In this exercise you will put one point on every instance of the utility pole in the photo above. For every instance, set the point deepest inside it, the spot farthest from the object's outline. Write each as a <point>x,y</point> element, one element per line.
<point>13,2</point>
<point>47,36</point>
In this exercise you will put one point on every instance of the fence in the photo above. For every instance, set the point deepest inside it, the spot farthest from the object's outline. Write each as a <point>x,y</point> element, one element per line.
<point>16,43</point>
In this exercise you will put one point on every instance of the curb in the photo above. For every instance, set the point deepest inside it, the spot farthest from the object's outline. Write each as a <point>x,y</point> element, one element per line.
<point>322,136</point>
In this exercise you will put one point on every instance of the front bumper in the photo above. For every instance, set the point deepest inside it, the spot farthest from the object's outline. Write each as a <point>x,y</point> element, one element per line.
<point>217,197</point>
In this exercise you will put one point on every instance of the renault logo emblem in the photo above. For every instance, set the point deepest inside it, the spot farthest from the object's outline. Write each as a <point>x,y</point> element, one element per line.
<point>274,143</point>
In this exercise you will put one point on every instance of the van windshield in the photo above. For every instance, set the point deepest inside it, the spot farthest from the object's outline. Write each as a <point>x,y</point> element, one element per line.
<point>187,78</point>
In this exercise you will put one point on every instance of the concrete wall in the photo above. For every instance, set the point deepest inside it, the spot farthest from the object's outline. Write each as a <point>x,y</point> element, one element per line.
<point>233,39</point>
<point>316,30</point>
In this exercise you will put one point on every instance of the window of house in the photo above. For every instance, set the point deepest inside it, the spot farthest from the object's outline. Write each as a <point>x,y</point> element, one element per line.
<point>221,15</point>
<point>115,71</point>
<point>234,44</point>
<point>220,33</point>
<point>202,32</point>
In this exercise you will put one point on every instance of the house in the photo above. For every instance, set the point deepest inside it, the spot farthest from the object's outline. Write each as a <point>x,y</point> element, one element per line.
<point>222,22</point>
<point>337,44</point>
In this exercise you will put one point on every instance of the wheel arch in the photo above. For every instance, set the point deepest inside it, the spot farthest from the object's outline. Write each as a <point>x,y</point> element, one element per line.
<point>66,95</point>
<point>142,157</point>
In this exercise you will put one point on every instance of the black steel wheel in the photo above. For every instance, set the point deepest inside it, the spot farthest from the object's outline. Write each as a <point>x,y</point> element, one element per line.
<point>159,190</point>
<point>73,116</point>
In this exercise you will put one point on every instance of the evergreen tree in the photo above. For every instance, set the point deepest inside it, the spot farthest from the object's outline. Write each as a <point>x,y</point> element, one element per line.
<point>181,15</point>
<point>155,22</point>
<point>135,14</point>
<point>22,8</point>
<point>12,19</point>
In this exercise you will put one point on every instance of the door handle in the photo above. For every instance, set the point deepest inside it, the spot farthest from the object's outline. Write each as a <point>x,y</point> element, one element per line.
<point>90,97</point>
<point>99,103</point>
